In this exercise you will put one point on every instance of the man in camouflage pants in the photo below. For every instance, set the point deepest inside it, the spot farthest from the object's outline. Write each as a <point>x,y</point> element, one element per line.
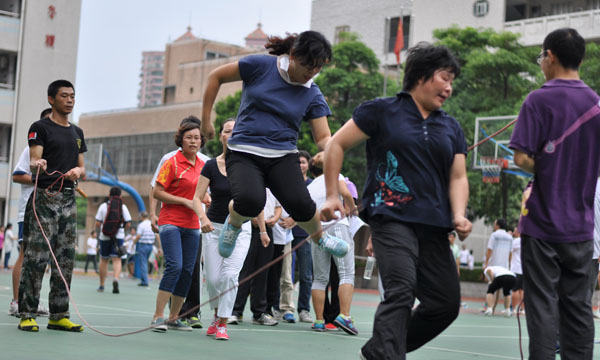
<point>54,145</point>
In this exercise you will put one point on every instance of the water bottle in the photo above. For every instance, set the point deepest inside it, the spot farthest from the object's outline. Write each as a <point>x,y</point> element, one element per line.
<point>369,268</point>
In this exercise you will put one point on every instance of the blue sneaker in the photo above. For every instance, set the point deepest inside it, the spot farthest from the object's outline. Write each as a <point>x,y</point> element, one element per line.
<point>335,246</point>
<point>318,325</point>
<point>289,317</point>
<point>227,238</point>
<point>346,324</point>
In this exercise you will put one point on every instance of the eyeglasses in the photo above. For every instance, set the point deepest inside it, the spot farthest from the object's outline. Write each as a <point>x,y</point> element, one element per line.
<point>541,56</point>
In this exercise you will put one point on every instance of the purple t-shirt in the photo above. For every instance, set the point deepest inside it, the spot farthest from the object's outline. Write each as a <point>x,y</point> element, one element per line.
<point>559,202</point>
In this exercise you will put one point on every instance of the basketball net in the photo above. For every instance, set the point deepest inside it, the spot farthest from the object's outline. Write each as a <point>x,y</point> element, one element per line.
<point>491,169</point>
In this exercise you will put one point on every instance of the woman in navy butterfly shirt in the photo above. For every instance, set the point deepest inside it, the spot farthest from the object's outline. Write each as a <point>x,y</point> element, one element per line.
<point>278,94</point>
<point>416,192</point>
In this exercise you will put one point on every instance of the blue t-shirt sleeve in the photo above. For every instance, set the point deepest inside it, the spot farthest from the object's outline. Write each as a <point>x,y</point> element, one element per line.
<point>317,108</point>
<point>460,144</point>
<point>251,67</point>
<point>527,136</point>
<point>366,117</point>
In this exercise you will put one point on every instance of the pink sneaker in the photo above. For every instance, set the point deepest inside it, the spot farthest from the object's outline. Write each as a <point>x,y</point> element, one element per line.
<point>222,333</point>
<point>212,329</point>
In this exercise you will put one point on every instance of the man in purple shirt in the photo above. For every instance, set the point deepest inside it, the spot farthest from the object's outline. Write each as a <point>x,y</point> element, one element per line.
<point>555,139</point>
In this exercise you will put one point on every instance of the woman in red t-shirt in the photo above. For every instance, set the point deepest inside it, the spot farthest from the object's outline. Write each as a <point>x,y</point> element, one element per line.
<point>179,227</point>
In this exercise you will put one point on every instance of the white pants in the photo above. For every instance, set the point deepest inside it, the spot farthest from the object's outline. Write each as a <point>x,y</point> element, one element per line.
<point>322,260</point>
<point>222,273</point>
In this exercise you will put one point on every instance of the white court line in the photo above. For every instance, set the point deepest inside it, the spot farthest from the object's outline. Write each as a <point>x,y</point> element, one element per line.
<point>471,353</point>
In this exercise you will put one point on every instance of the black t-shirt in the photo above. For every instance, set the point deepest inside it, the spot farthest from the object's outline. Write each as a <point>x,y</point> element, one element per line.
<point>219,192</point>
<point>62,146</point>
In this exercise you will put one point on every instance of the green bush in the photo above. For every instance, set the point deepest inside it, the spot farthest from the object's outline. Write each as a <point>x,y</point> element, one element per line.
<point>474,275</point>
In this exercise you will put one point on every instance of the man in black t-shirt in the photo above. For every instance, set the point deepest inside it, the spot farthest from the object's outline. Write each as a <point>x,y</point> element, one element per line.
<point>55,145</point>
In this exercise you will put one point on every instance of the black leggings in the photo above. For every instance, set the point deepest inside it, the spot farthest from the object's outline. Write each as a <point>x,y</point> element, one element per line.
<point>249,175</point>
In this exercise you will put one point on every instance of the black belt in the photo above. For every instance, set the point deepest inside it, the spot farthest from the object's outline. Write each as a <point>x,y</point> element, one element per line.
<point>56,188</point>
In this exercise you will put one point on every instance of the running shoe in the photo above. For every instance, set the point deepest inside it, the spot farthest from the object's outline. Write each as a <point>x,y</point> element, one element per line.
<point>100,288</point>
<point>289,318</point>
<point>235,320</point>
<point>13,309</point>
<point>28,325</point>
<point>507,313</point>
<point>115,287</point>
<point>41,310</point>
<point>64,324</point>
<point>212,329</point>
<point>331,327</point>
<point>318,325</point>
<point>333,245</point>
<point>345,323</point>
<point>194,322</point>
<point>159,325</point>
<point>178,325</point>
<point>488,312</point>
<point>265,319</point>
<point>222,333</point>
<point>277,315</point>
<point>305,317</point>
<point>227,238</point>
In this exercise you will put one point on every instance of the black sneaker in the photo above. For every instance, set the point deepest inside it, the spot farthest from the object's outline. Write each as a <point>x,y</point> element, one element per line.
<point>115,287</point>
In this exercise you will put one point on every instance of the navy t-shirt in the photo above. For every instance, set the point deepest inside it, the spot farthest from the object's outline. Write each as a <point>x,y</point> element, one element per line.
<point>62,146</point>
<point>272,110</point>
<point>408,161</point>
<point>219,192</point>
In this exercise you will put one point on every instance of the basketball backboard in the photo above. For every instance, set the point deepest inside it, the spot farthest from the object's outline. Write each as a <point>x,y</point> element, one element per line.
<point>497,147</point>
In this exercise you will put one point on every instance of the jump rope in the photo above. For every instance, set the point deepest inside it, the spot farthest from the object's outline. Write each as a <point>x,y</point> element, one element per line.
<point>248,278</point>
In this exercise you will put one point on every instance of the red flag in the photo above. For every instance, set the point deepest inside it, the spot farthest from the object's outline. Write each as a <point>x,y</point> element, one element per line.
<point>399,41</point>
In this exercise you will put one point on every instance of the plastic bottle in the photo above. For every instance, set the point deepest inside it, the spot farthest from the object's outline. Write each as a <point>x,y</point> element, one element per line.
<point>369,268</point>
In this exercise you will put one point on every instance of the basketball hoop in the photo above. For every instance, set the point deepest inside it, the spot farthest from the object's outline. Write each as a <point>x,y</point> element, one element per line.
<point>491,168</point>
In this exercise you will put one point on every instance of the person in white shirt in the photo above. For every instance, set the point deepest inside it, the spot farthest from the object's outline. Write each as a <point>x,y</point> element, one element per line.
<point>464,257</point>
<point>108,249</point>
<point>9,240</point>
<point>515,266</point>
<point>498,278</point>
<point>499,246</point>
<point>322,258</point>
<point>92,251</point>
<point>143,243</point>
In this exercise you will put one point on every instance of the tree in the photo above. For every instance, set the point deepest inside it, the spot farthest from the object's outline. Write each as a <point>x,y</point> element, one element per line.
<point>590,68</point>
<point>497,73</point>
<point>225,109</point>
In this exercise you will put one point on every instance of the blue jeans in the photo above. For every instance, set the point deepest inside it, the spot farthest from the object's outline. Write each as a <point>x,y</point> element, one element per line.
<point>180,247</point>
<point>305,267</point>
<point>143,252</point>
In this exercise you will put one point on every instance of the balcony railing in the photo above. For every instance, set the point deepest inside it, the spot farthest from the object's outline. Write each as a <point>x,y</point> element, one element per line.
<point>10,14</point>
<point>534,30</point>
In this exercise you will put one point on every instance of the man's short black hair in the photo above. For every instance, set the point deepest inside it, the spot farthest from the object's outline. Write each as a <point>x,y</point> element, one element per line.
<point>45,113</point>
<point>424,60</point>
<point>314,170</point>
<point>567,45</point>
<point>502,224</point>
<point>115,191</point>
<point>57,84</point>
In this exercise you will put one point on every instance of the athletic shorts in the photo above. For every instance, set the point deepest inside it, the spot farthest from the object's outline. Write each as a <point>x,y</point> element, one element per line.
<point>518,283</point>
<point>504,282</point>
<point>108,249</point>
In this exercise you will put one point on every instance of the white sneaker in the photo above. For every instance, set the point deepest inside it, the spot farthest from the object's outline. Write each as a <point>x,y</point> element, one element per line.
<point>13,309</point>
<point>488,312</point>
<point>277,315</point>
<point>235,320</point>
<point>507,313</point>
<point>596,314</point>
<point>304,316</point>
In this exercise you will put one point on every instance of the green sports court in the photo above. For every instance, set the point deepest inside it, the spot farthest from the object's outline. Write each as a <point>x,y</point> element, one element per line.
<point>471,336</point>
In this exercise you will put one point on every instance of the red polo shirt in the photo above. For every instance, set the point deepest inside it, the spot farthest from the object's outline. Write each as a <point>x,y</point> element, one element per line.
<point>179,177</point>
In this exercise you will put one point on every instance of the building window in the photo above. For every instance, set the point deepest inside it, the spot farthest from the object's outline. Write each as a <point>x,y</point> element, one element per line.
<point>8,70</point>
<point>481,8</point>
<point>169,94</point>
<point>393,32</point>
<point>10,8</point>
<point>4,142</point>
<point>338,31</point>
<point>210,55</point>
